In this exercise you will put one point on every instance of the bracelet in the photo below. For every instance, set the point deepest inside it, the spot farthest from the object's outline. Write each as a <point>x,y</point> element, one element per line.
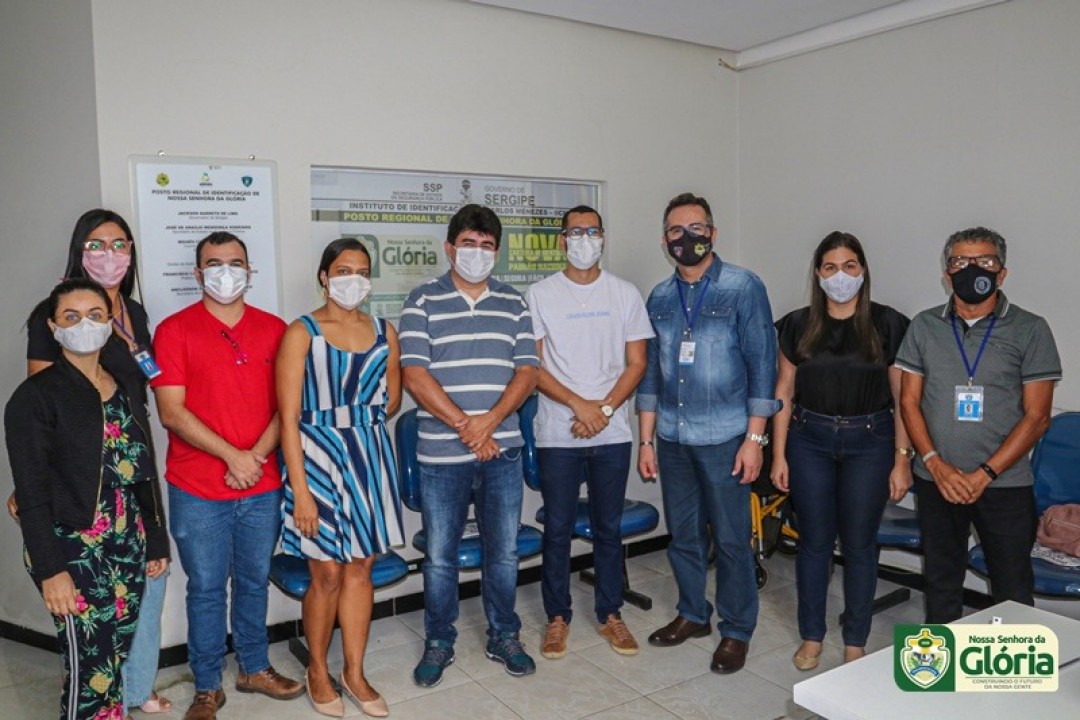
<point>989,471</point>
<point>929,455</point>
<point>645,443</point>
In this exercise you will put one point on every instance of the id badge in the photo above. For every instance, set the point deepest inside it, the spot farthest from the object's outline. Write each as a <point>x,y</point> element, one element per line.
<point>686,352</point>
<point>969,403</point>
<point>146,364</point>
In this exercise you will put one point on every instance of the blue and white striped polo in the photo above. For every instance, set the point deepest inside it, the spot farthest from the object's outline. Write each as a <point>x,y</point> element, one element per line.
<point>472,350</point>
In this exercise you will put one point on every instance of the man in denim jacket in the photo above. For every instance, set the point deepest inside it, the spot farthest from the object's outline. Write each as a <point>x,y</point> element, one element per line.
<point>707,394</point>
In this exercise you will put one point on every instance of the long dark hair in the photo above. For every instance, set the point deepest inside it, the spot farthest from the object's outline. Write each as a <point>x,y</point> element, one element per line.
<point>334,250</point>
<point>90,221</point>
<point>869,343</point>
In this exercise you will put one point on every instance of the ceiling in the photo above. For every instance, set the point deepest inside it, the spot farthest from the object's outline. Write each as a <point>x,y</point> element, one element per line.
<point>748,32</point>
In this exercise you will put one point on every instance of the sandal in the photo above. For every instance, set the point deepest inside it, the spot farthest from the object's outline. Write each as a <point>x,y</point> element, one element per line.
<point>156,704</point>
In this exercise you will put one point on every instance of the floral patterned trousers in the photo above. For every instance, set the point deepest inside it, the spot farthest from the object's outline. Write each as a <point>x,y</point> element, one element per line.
<point>107,563</point>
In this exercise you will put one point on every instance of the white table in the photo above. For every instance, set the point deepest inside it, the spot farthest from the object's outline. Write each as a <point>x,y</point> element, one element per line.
<point>865,690</point>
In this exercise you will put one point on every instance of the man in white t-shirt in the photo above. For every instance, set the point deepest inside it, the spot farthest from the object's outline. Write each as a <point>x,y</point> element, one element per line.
<point>591,331</point>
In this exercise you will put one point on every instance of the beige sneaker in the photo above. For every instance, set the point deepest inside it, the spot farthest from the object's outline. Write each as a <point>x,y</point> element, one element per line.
<point>618,636</point>
<point>554,646</point>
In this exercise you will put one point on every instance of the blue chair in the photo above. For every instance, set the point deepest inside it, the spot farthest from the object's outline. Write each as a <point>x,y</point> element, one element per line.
<point>1055,462</point>
<point>290,574</point>
<point>637,518</point>
<point>529,539</point>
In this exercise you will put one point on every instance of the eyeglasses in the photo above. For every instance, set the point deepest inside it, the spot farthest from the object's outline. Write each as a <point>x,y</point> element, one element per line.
<point>119,245</point>
<point>986,262</point>
<point>238,354</point>
<point>576,233</point>
<point>675,232</point>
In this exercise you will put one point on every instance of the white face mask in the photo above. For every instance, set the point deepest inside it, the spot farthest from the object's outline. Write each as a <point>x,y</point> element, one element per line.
<point>841,287</point>
<point>584,252</point>
<point>225,283</point>
<point>474,264</point>
<point>348,291</point>
<point>84,338</point>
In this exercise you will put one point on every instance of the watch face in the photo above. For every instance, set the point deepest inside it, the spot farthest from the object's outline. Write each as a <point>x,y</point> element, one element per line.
<point>607,410</point>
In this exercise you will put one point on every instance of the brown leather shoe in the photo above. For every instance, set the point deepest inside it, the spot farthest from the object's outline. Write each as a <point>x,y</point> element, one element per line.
<point>730,656</point>
<point>205,705</point>
<point>270,683</point>
<point>677,632</point>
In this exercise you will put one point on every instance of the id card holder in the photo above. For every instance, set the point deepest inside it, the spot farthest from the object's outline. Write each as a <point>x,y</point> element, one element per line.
<point>686,352</point>
<point>146,363</point>
<point>969,403</point>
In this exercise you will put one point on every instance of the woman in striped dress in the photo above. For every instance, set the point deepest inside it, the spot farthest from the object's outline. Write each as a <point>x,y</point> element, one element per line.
<point>338,379</point>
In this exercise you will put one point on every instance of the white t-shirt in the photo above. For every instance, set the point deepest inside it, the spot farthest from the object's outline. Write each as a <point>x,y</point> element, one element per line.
<point>585,329</point>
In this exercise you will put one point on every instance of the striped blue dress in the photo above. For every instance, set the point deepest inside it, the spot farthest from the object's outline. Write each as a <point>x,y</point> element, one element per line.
<point>348,458</point>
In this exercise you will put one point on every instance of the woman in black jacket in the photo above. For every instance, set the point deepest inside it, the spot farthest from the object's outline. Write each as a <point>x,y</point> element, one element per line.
<point>89,503</point>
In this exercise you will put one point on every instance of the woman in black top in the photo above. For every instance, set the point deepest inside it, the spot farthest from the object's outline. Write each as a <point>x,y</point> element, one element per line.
<point>102,249</point>
<point>89,502</point>
<point>838,445</point>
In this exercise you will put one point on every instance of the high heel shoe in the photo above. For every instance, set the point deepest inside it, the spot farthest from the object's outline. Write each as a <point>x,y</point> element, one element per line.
<point>371,708</point>
<point>333,708</point>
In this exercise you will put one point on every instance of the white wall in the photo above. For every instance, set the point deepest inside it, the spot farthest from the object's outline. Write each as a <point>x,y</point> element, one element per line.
<point>414,84</point>
<point>48,176</point>
<point>905,137</point>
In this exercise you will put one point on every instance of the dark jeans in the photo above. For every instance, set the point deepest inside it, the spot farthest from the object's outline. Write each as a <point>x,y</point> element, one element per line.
<point>1005,519</point>
<point>700,494</point>
<point>495,487</point>
<point>839,479</point>
<point>603,469</point>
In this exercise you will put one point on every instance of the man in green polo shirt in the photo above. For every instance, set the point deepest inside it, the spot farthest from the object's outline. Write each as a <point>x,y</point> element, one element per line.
<point>978,385</point>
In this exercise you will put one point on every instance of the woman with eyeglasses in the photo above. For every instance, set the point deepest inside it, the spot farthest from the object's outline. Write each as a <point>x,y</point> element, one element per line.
<point>102,249</point>
<point>338,380</point>
<point>89,503</point>
<point>839,447</point>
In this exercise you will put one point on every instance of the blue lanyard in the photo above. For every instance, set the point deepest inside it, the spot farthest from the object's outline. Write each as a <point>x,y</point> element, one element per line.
<point>691,316</point>
<point>982,346</point>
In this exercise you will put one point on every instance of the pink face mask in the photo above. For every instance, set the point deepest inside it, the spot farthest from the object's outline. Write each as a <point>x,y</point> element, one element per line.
<point>106,267</point>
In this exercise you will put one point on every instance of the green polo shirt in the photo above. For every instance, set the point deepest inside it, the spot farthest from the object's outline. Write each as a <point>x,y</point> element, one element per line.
<point>1020,350</point>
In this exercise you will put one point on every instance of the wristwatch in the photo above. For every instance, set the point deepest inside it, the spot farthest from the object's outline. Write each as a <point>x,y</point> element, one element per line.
<point>908,452</point>
<point>761,440</point>
<point>607,410</point>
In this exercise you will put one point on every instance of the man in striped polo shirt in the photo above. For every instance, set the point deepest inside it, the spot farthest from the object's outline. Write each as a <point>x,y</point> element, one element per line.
<point>469,359</point>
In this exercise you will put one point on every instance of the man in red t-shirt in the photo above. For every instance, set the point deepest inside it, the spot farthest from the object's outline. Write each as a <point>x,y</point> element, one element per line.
<point>215,395</point>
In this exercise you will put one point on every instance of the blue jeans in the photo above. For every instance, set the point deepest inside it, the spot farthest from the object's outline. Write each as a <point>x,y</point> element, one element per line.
<point>700,493</point>
<point>141,665</point>
<point>603,469</point>
<point>839,480</point>
<point>221,541</point>
<point>495,487</point>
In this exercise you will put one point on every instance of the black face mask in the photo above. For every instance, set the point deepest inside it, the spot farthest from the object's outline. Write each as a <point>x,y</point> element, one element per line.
<point>690,249</point>
<point>974,284</point>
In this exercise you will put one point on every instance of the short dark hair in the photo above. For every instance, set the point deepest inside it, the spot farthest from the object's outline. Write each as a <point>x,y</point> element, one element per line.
<point>88,222</point>
<point>580,209</point>
<point>219,237</point>
<point>975,234</point>
<point>73,285</point>
<point>334,250</point>
<point>475,217</point>
<point>687,198</point>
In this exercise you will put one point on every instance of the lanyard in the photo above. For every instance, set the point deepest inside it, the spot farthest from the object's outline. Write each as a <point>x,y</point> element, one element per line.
<point>691,315</point>
<point>120,325</point>
<point>982,346</point>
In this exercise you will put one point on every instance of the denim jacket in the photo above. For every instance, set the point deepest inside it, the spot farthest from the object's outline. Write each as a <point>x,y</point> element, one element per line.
<point>733,375</point>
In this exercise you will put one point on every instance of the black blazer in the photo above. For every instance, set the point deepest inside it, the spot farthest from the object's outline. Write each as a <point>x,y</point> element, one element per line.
<point>53,425</point>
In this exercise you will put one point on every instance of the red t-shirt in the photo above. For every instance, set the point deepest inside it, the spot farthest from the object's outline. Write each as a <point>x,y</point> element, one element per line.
<point>229,383</point>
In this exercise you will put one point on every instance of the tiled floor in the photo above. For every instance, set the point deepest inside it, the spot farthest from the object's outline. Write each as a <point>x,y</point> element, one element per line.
<point>590,682</point>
